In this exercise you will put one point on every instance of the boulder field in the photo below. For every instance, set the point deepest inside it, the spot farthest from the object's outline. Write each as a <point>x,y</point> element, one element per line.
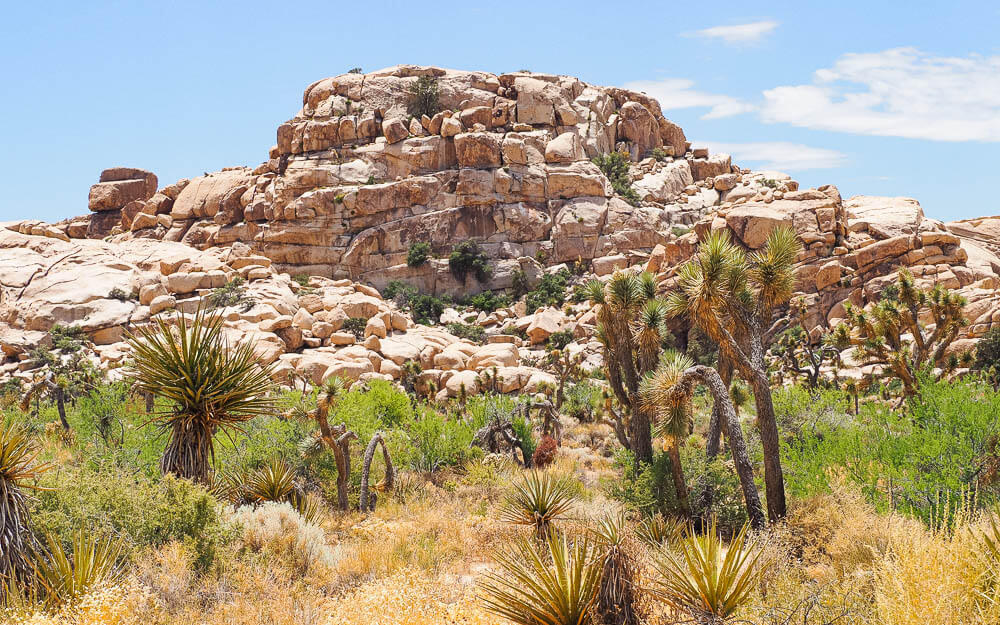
<point>355,179</point>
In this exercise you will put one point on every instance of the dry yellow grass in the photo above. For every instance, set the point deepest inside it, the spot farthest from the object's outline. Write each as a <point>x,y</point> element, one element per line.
<point>416,561</point>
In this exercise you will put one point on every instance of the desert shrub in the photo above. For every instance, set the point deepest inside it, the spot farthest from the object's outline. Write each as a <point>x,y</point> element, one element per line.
<point>427,309</point>
<point>379,406</point>
<point>583,401</point>
<point>487,301</point>
<point>278,532</point>
<point>545,453</point>
<point>938,451</point>
<point>121,294</point>
<point>474,333</point>
<point>418,253</point>
<point>659,154</point>
<point>988,355</point>
<point>679,231</point>
<point>550,291</point>
<point>233,293</point>
<point>560,339</point>
<point>143,511</point>
<point>422,97</point>
<point>437,441</point>
<point>615,167</point>
<point>650,490</point>
<point>468,257</point>
<point>356,326</point>
<point>400,292</point>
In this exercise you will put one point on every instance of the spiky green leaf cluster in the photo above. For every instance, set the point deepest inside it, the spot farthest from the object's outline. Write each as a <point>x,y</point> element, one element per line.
<point>554,584</point>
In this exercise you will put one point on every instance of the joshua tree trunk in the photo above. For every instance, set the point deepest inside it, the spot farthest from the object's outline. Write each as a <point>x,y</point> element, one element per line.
<point>150,402</point>
<point>737,446</point>
<point>767,424</point>
<point>338,439</point>
<point>61,406</point>
<point>677,471</point>
<point>390,473</point>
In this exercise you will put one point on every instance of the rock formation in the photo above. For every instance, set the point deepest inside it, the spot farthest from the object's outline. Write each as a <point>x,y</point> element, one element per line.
<point>358,176</point>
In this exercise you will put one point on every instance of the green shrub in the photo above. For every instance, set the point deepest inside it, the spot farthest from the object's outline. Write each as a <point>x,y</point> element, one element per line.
<point>422,97</point>
<point>427,309</point>
<point>615,167</point>
<point>466,258</point>
<point>583,401</point>
<point>142,510</point>
<point>560,339</point>
<point>121,294</point>
<point>301,279</point>
<point>659,154</point>
<point>400,292</point>
<point>356,326</point>
<point>233,293</point>
<point>418,254</point>
<point>551,291</point>
<point>437,441</point>
<point>487,301</point>
<point>679,231</point>
<point>354,70</point>
<point>937,451</point>
<point>474,333</point>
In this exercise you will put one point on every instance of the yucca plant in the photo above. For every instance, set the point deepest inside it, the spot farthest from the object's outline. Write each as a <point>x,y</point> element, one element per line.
<point>537,501</point>
<point>709,580</point>
<point>212,387</point>
<point>18,452</point>
<point>618,594</point>
<point>551,584</point>
<point>274,481</point>
<point>337,437</point>
<point>94,562</point>
<point>657,530</point>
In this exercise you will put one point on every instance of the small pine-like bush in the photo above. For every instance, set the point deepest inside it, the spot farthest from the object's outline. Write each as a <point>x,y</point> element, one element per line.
<point>426,309</point>
<point>474,333</point>
<point>356,326</point>
<point>466,258</point>
<point>418,254</point>
<point>615,167</point>
<point>551,291</point>
<point>422,97</point>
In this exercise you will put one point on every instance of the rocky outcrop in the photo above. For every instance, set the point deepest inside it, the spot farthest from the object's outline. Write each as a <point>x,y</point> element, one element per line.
<point>354,179</point>
<point>507,161</point>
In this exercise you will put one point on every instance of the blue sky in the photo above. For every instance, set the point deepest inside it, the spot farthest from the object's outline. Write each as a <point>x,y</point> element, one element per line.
<point>890,98</point>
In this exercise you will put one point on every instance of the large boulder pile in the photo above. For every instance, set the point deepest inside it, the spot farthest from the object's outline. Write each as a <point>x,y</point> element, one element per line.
<point>507,161</point>
<point>355,179</point>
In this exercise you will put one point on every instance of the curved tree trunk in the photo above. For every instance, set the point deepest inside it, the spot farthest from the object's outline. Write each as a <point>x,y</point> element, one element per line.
<point>741,459</point>
<point>338,438</point>
<point>366,468</point>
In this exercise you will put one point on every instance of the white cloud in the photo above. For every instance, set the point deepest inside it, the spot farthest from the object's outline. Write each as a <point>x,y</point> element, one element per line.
<point>739,33</point>
<point>677,93</point>
<point>780,155</point>
<point>901,92</point>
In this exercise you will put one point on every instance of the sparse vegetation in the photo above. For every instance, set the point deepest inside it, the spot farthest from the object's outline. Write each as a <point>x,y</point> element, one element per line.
<point>356,326</point>
<point>418,253</point>
<point>615,167</point>
<point>468,258</point>
<point>422,98</point>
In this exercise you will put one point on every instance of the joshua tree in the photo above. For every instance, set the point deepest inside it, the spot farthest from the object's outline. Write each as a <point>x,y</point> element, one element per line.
<point>668,393</point>
<point>366,467</point>
<point>631,329</point>
<point>733,297</point>
<point>800,354</point>
<point>17,466</point>
<point>212,387</point>
<point>566,367</point>
<point>47,382</point>
<point>892,334</point>
<point>337,437</point>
